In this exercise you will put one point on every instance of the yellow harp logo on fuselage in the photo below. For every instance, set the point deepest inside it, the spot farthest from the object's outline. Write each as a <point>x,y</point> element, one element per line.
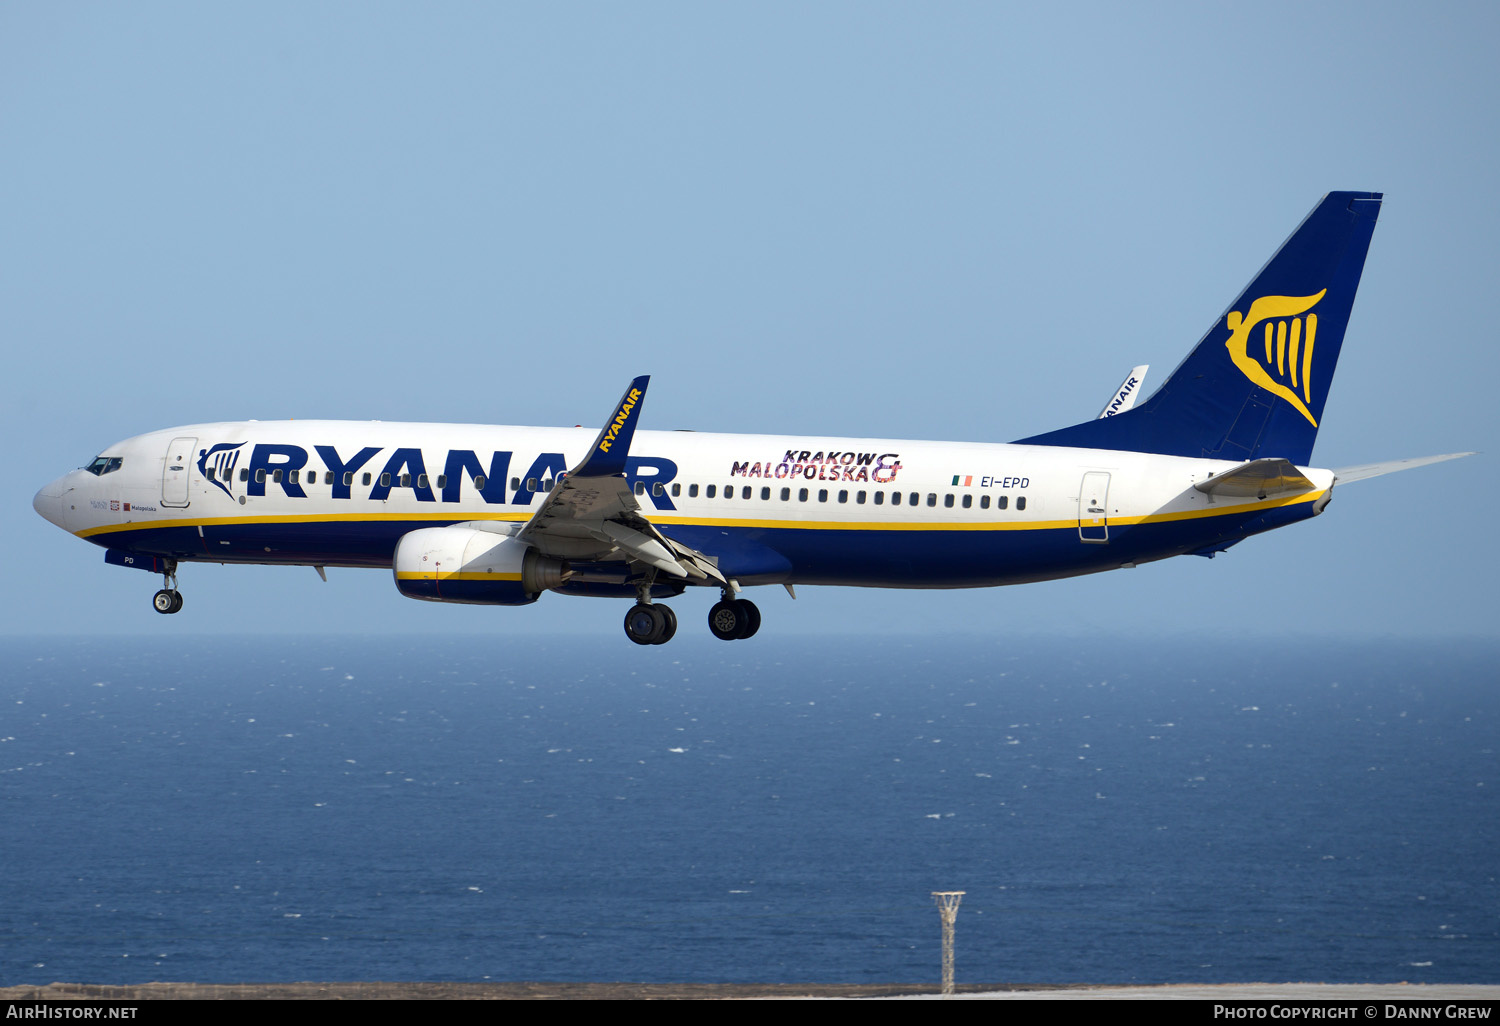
<point>1288,346</point>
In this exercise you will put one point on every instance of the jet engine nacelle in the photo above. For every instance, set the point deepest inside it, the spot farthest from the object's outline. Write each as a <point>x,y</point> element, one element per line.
<point>468,564</point>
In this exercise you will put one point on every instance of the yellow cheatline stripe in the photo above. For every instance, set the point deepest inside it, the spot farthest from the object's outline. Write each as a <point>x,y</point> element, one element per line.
<point>302,518</point>
<point>423,575</point>
<point>1219,509</point>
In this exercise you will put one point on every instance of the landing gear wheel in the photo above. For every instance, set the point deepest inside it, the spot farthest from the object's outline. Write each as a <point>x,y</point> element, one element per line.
<point>176,601</point>
<point>751,617</point>
<point>165,601</point>
<point>670,624</point>
<point>726,620</point>
<point>645,624</point>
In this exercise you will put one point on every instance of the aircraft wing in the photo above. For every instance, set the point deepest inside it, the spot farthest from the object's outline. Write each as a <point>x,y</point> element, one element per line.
<point>591,514</point>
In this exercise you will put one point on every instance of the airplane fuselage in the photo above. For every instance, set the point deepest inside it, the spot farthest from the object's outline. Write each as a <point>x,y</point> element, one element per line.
<point>770,508</point>
<point>500,515</point>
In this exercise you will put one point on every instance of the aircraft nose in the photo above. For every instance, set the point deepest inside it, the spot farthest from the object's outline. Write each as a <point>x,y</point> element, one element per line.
<point>48,502</point>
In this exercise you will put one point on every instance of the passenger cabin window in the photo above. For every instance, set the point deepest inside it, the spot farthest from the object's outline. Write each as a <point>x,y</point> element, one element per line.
<point>895,498</point>
<point>442,481</point>
<point>1003,502</point>
<point>1020,502</point>
<point>746,493</point>
<point>260,476</point>
<point>984,502</point>
<point>385,480</point>
<point>947,501</point>
<point>822,494</point>
<point>515,484</point>
<point>328,477</point>
<point>365,477</point>
<point>801,494</point>
<point>710,491</point>
<point>421,480</point>
<point>291,477</point>
<point>765,493</point>
<point>676,490</point>
<point>480,481</point>
<point>879,498</point>
<point>244,473</point>
<point>843,495</point>
<point>657,489</point>
<point>405,480</point>
<point>968,501</point>
<point>786,495</point>
<point>692,491</point>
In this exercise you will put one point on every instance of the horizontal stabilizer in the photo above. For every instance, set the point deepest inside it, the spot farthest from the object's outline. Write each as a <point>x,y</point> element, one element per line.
<point>1260,478</point>
<point>1346,474</point>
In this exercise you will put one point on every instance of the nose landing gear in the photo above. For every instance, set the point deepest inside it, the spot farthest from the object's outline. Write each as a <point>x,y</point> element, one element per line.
<point>169,599</point>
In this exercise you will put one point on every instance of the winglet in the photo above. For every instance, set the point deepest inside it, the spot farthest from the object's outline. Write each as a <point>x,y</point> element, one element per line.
<point>1126,395</point>
<point>606,457</point>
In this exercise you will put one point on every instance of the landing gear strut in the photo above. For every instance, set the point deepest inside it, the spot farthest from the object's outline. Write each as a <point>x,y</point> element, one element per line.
<point>169,599</point>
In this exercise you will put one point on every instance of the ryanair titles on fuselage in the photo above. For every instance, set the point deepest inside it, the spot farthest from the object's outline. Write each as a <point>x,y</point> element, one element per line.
<point>271,465</point>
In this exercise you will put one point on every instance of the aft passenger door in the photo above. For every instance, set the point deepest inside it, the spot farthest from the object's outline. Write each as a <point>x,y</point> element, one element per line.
<point>1093,506</point>
<point>174,477</point>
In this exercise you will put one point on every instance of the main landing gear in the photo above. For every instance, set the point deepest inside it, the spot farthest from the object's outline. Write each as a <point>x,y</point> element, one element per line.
<point>734,619</point>
<point>169,599</point>
<point>650,623</point>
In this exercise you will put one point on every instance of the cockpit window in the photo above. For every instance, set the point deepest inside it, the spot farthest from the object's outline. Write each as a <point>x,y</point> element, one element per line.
<point>104,465</point>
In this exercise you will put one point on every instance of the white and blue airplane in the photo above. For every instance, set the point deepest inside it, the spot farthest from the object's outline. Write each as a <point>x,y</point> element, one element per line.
<point>499,515</point>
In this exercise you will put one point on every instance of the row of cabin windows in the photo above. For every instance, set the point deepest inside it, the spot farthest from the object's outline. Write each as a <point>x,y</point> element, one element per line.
<point>965,501</point>
<point>386,481</point>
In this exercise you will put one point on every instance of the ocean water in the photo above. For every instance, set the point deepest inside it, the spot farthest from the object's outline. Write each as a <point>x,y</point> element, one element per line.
<point>298,808</point>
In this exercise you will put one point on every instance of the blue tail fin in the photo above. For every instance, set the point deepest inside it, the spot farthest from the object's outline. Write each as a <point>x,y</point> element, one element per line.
<point>1255,385</point>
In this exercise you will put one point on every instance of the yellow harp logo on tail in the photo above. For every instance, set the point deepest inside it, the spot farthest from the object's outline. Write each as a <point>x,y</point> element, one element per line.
<point>1288,346</point>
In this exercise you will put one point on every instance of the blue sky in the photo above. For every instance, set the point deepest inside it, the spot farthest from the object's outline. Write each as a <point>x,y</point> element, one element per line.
<point>958,221</point>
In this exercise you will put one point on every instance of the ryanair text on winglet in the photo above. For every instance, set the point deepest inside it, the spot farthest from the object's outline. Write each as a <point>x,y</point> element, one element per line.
<point>620,418</point>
